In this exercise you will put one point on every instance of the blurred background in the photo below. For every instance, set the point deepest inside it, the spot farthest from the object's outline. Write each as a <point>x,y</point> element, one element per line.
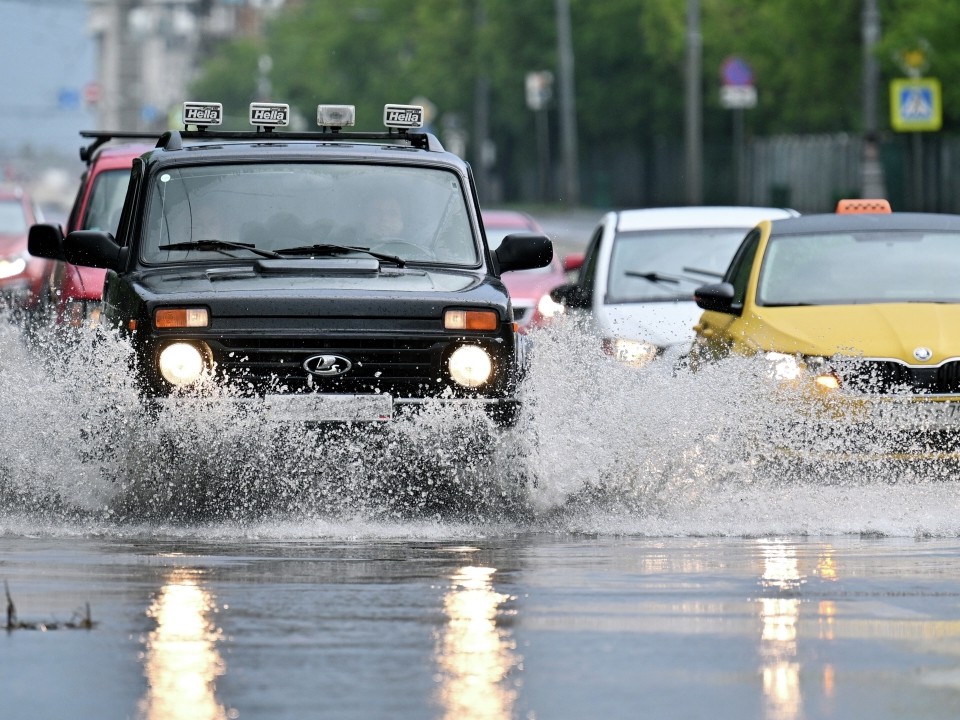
<point>556,103</point>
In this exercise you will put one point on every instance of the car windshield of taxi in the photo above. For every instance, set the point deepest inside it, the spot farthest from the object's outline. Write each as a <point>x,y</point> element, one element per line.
<point>861,266</point>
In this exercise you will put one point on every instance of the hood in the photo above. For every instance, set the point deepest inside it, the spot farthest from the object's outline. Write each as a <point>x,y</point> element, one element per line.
<point>312,287</point>
<point>662,323</point>
<point>887,330</point>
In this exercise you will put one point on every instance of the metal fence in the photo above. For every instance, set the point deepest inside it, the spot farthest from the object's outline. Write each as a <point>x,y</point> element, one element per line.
<point>921,171</point>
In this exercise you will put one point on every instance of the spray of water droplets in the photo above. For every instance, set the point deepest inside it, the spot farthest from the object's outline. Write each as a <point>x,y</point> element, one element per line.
<point>600,447</point>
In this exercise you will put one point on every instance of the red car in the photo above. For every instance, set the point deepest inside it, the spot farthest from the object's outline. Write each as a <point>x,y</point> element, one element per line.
<point>23,278</point>
<point>529,289</point>
<point>103,186</point>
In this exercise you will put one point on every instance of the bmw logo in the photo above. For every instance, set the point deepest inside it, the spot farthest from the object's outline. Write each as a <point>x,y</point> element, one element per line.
<point>923,354</point>
<point>327,365</point>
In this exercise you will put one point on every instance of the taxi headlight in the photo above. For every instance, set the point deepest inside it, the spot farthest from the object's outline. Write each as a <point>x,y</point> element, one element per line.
<point>470,366</point>
<point>549,308</point>
<point>792,367</point>
<point>181,363</point>
<point>783,366</point>
<point>635,353</point>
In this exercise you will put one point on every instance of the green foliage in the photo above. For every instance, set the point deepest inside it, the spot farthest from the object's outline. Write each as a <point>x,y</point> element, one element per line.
<point>630,62</point>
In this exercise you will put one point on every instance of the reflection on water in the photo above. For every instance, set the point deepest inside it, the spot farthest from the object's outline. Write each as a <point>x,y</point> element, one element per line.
<point>181,660</point>
<point>778,643</point>
<point>475,656</point>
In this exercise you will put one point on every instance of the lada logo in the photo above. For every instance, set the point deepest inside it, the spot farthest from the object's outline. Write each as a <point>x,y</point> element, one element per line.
<point>327,365</point>
<point>923,354</point>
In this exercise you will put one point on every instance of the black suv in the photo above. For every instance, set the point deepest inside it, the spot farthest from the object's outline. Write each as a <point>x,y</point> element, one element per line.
<point>329,275</point>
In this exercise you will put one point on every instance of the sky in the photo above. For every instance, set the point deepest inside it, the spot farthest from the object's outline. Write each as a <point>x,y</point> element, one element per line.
<point>46,60</point>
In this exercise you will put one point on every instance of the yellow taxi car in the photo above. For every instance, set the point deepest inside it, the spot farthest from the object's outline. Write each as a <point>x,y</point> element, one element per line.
<point>859,312</point>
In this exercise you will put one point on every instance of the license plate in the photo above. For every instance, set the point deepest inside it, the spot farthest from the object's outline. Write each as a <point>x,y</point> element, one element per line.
<point>329,408</point>
<point>924,413</point>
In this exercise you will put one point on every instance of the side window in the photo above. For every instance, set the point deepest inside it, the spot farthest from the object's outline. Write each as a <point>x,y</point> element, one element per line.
<point>738,274</point>
<point>124,228</point>
<point>588,270</point>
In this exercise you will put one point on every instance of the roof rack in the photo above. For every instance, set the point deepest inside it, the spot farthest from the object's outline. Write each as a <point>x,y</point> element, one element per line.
<point>101,137</point>
<point>173,139</point>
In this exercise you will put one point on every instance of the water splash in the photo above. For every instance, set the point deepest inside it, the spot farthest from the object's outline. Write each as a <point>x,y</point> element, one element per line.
<point>600,447</point>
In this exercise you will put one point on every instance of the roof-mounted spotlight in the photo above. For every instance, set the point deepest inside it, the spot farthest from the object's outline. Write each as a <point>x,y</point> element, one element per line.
<point>266,116</point>
<point>202,114</point>
<point>336,116</point>
<point>403,116</point>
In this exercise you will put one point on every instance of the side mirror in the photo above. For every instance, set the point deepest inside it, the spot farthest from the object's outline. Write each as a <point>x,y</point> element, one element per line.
<point>572,295</point>
<point>523,251</point>
<point>92,248</point>
<point>716,296</point>
<point>46,241</point>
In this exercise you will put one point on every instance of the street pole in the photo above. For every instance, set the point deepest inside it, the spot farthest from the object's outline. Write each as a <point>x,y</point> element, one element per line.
<point>568,113</point>
<point>694,119</point>
<point>871,168</point>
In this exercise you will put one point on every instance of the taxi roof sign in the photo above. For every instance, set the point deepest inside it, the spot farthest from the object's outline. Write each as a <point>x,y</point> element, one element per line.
<point>862,206</point>
<point>269,114</point>
<point>202,114</point>
<point>403,116</point>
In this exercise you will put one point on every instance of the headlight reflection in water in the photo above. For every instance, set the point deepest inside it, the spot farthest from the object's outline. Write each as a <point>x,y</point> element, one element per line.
<point>474,655</point>
<point>181,659</point>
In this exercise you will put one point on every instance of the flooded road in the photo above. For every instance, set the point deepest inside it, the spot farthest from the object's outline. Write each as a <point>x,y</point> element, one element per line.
<point>652,567</point>
<point>454,622</point>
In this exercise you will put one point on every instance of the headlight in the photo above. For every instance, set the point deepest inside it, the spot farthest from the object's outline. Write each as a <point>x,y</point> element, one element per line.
<point>791,367</point>
<point>783,366</point>
<point>636,353</point>
<point>181,363</point>
<point>470,366</point>
<point>10,267</point>
<point>548,308</point>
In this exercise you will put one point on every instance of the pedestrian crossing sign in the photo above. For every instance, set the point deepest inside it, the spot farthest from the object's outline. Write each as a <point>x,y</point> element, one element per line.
<point>915,104</point>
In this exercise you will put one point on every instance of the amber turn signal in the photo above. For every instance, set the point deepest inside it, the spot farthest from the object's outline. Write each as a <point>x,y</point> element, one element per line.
<point>470,320</point>
<point>181,317</point>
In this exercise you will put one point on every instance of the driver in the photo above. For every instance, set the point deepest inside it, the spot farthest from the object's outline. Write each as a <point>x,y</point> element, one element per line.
<point>385,220</point>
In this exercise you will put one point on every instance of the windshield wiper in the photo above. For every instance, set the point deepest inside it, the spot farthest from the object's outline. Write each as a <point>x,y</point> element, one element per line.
<point>219,246</point>
<point>707,273</point>
<point>327,249</point>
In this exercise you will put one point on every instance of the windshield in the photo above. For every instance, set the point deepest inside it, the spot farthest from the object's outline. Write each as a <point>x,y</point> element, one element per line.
<point>12,219</point>
<point>417,214</point>
<point>653,265</point>
<point>861,267</point>
<point>106,201</point>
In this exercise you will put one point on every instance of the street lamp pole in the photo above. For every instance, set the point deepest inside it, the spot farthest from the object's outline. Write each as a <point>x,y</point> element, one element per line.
<point>568,113</point>
<point>694,121</point>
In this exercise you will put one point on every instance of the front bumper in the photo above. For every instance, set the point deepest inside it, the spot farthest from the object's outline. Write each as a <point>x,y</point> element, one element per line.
<point>327,408</point>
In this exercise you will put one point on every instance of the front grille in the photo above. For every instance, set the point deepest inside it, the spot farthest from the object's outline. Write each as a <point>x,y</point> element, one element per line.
<point>404,367</point>
<point>890,377</point>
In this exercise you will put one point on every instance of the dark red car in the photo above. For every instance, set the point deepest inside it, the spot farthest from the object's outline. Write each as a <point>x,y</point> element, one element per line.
<point>529,289</point>
<point>76,290</point>
<point>23,278</point>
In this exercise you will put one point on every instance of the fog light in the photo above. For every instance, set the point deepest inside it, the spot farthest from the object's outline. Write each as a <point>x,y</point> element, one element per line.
<point>181,363</point>
<point>470,366</point>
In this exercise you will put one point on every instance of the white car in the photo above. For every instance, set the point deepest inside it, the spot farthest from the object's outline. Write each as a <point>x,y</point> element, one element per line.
<point>642,266</point>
